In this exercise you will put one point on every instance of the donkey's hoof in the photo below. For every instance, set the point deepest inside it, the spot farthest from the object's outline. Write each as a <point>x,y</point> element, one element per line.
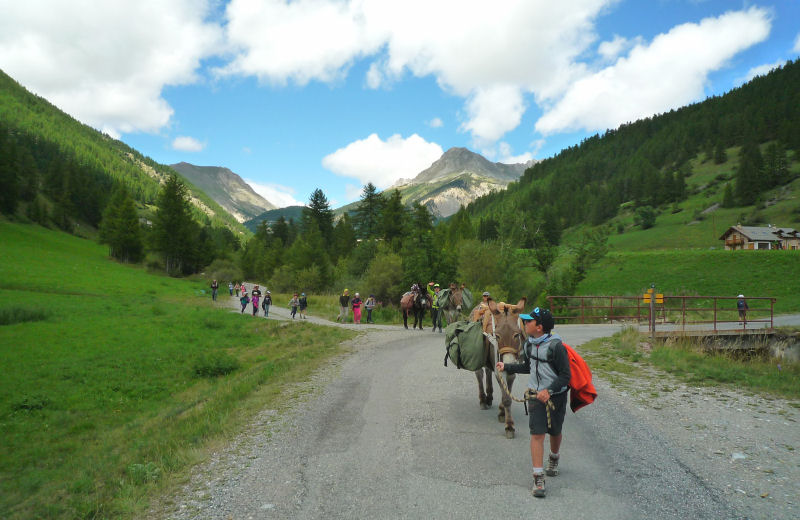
<point>509,434</point>
<point>501,418</point>
<point>484,406</point>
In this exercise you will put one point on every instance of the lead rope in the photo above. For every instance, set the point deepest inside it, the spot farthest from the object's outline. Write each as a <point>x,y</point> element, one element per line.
<point>529,394</point>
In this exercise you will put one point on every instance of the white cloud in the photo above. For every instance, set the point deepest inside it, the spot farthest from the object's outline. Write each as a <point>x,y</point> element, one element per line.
<point>106,63</point>
<point>301,41</point>
<point>761,70</point>
<point>796,44</point>
<point>277,194</point>
<point>494,111</point>
<point>670,72</point>
<point>187,144</point>
<point>436,123</point>
<point>610,50</point>
<point>383,162</point>
<point>471,47</point>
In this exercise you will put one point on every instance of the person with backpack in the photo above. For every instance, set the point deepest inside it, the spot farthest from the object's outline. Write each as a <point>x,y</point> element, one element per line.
<point>294,303</point>
<point>256,296</point>
<point>742,307</point>
<point>214,289</point>
<point>230,288</point>
<point>356,303</point>
<point>266,303</point>
<point>244,300</point>
<point>545,358</point>
<point>303,305</point>
<point>369,305</point>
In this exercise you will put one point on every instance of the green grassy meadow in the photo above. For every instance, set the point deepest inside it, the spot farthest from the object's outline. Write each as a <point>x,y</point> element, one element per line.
<point>700,273</point>
<point>116,381</point>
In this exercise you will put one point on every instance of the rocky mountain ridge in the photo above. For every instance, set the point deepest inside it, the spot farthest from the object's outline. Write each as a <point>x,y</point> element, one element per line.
<point>457,178</point>
<point>227,189</point>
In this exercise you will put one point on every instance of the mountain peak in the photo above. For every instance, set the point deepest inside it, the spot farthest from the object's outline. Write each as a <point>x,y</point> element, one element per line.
<point>461,160</point>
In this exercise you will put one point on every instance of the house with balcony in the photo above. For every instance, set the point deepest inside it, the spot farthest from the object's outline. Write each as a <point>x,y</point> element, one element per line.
<point>760,238</point>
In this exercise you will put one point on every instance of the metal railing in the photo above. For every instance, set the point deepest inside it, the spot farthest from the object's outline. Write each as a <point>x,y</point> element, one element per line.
<point>675,310</point>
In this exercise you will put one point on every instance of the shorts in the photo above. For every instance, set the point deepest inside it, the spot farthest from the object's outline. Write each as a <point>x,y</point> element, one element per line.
<point>537,419</point>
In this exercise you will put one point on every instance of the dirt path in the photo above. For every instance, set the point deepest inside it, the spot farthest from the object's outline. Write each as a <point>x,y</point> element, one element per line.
<point>394,434</point>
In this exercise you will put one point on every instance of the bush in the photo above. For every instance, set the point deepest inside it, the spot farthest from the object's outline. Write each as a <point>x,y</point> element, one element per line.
<point>215,364</point>
<point>13,315</point>
<point>645,217</point>
<point>223,270</point>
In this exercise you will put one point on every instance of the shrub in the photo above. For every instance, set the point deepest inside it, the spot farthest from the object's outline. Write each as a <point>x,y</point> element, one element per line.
<point>223,269</point>
<point>12,315</point>
<point>215,364</point>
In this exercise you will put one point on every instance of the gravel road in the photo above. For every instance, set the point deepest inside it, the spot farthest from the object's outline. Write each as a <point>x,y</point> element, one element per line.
<point>388,432</point>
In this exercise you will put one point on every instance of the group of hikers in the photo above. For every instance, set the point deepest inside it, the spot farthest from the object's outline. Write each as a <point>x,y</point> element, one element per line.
<point>346,303</point>
<point>543,356</point>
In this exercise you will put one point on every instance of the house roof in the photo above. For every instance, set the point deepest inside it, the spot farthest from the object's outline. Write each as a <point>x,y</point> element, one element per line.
<point>760,234</point>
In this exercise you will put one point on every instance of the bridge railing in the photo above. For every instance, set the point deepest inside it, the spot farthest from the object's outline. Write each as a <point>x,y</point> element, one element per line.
<point>676,310</point>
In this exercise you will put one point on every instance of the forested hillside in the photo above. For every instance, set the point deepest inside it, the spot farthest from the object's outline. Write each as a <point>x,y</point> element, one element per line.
<point>60,173</point>
<point>44,151</point>
<point>648,163</point>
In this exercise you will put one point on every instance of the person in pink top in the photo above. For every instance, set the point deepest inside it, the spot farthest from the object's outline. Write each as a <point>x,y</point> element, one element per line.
<point>356,303</point>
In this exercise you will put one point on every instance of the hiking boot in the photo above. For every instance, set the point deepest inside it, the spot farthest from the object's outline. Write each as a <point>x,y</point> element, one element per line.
<point>538,485</point>
<point>552,466</point>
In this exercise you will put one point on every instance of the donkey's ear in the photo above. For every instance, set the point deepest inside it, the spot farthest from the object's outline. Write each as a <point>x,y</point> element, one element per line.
<point>493,307</point>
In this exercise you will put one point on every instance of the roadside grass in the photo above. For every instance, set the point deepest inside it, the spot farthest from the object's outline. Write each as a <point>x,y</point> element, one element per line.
<point>127,380</point>
<point>629,353</point>
<point>700,273</point>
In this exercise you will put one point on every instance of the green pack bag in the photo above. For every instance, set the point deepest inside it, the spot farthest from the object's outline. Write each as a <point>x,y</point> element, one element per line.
<point>463,342</point>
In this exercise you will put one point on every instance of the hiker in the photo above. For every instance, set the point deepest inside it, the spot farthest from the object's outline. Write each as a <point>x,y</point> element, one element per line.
<point>344,304</point>
<point>244,300</point>
<point>357,309</point>
<point>742,307</point>
<point>545,359</point>
<point>214,289</point>
<point>369,305</point>
<point>294,303</point>
<point>256,296</point>
<point>236,288</point>
<point>266,303</point>
<point>303,303</point>
<point>244,289</point>
<point>436,313</point>
<point>230,288</point>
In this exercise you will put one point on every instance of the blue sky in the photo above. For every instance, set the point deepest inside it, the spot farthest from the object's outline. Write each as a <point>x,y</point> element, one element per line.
<point>332,94</point>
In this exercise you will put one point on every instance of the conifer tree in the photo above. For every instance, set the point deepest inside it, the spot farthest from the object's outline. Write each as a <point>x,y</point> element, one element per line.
<point>393,220</point>
<point>120,228</point>
<point>319,214</point>
<point>174,230</point>
<point>368,212</point>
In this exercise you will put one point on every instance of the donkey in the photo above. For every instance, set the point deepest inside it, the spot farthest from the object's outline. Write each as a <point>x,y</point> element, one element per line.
<point>503,339</point>
<point>416,302</point>
<point>455,301</point>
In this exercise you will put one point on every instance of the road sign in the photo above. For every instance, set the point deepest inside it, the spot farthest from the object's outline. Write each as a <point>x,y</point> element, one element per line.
<point>659,298</point>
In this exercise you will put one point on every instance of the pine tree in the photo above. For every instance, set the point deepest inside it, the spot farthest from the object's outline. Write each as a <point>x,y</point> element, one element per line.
<point>727,197</point>
<point>319,214</point>
<point>368,212</point>
<point>749,174</point>
<point>720,154</point>
<point>393,220</point>
<point>120,228</point>
<point>174,230</point>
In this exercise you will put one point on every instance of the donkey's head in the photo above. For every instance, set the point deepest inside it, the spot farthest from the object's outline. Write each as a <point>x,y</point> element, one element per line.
<point>507,327</point>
